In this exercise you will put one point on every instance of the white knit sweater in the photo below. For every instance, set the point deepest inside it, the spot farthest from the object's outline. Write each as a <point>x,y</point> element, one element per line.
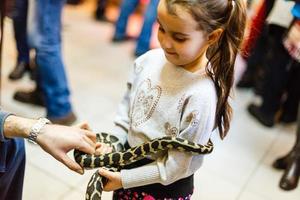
<point>164,99</point>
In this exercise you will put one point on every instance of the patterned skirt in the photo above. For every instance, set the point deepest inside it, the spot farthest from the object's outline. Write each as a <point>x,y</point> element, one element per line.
<point>179,190</point>
<point>128,194</point>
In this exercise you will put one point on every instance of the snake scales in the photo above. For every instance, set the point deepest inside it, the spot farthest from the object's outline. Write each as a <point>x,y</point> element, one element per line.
<point>120,157</point>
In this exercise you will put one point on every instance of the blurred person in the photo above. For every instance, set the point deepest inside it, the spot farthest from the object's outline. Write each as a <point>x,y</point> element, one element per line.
<point>143,41</point>
<point>19,16</point>
<point>257,22</point>
<point>73,2</point>
<point>100,10</point>
<point>254,47</point>
<point>267,28</point>
<point>281,93</point>
<point>56,140</point>
<point>52,91</point>
<point>265,32</point>
<point>290,163</point>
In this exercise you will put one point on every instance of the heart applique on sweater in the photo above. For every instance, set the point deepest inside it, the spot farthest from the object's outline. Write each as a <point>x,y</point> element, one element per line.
<point>145,102</point>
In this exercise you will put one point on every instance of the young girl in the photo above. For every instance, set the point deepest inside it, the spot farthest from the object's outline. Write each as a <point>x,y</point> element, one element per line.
<point>182,90</point>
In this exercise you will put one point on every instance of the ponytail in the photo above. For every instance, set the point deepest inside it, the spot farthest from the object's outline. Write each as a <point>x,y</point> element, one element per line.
<point>229,15</point>
<point>221,56</point>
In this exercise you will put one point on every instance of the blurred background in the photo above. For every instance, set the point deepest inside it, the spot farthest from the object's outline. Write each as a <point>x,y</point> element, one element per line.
<point>260,158</point>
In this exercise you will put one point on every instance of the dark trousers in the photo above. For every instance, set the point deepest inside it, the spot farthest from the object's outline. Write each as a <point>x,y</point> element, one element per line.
<point>19,16</point>
<point>291,91</point>
<point>255,60</point>
<point>11,181</point>
<point>265,50</point>
<point>101,6</point>
<point>281,86</point>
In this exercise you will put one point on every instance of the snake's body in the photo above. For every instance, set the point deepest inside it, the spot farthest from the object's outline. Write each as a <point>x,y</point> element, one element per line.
<point>120,157</point>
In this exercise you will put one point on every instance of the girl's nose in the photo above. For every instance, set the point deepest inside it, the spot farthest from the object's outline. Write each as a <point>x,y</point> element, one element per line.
<point>166,42</point>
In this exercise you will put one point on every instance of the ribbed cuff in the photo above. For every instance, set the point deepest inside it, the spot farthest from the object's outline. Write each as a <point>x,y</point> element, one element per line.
<point>3,116</point>
<point>145,175</point>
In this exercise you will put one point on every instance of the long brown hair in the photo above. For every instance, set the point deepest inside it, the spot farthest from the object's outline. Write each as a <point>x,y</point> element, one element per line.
<point>230,16</point>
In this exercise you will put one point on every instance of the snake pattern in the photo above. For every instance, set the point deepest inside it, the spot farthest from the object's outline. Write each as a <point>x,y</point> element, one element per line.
<point>120,157</point>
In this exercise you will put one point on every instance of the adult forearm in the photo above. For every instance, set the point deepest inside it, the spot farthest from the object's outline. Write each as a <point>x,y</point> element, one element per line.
<point>15,126</point>
<point>56,140</point>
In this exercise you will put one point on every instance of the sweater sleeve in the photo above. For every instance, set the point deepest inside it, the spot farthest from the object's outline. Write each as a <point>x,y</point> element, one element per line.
<point>122,117</point>
<point>197,124</point>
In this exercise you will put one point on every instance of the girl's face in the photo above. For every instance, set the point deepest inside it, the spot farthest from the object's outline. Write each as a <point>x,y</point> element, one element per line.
<point>184,44</point>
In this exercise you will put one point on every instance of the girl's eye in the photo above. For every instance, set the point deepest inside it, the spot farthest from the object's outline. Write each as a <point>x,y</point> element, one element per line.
<point>161,29</point>
<point>177,39</point>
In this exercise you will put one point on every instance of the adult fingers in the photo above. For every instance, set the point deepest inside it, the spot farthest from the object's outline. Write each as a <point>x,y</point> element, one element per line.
<point>80,125</point>
<point>71,164</point>
<point>97,149</point>
<point>83,125</point>
<point>89,141</point>
<point>90,135</point>
<point>98,144</point>
<point>87,147</point>
<point>86,126</point>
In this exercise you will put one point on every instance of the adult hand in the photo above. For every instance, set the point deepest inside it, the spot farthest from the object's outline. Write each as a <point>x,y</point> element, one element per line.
<point>101,148</point>
<point>58,140</point>
<point>114,179</point>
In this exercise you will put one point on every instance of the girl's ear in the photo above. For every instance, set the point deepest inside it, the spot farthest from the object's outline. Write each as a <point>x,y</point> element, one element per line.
<point>215,35</point>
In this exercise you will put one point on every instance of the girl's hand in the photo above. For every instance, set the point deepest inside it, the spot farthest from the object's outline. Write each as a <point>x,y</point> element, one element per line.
<point>114,179</point>
<point>102,148</point>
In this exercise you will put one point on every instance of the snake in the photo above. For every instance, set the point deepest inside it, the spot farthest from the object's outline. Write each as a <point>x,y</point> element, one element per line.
<point>120,157</point>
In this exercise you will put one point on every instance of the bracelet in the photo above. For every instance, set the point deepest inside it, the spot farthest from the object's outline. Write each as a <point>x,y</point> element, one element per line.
<point>36,128</point>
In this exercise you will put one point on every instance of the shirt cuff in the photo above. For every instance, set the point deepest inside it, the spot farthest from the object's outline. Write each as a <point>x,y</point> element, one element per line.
<point>3,116</point>
<point>145,175</point>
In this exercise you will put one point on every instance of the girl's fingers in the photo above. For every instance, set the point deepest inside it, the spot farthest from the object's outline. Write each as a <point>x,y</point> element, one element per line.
<point>105,173</point>
<point>102,149</point>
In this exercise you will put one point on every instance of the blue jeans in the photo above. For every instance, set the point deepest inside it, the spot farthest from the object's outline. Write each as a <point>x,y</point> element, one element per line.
<point>44,36</point>
<point>12,155</point>
<point>19,16</point>
<point>127,8</point>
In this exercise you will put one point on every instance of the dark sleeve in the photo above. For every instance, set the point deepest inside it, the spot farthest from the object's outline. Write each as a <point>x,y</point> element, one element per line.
<point>3,116</point>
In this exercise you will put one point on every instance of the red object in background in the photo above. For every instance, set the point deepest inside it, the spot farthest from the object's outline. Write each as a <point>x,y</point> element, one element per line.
<point>144,1</point>
<point>255,29</point>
